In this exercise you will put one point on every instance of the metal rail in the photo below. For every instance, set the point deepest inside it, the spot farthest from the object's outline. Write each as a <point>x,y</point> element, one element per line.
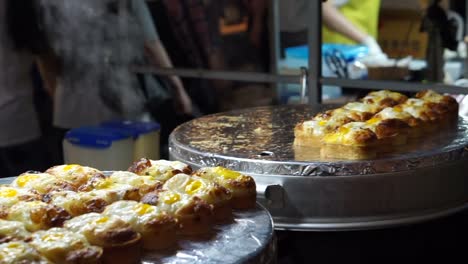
<point>299,79</point>
<point>221,75</point>
<point>314,39</point>
<point>394,85</point>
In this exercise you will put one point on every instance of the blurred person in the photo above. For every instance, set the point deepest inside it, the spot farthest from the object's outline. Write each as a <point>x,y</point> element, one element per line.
<point>96,43</point>
<point>192,27</point>
<point>352,22</point>
<point>21,148</point>
<point>345,22</point>
<point>257,11</point>
<point>258,30</point>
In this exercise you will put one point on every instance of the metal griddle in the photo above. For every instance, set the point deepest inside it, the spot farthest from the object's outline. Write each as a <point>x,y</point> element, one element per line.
<point>302,191</point>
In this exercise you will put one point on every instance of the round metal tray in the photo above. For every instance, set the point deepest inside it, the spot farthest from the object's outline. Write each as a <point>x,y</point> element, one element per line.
<point>249,238</point>
<point>305,192</point>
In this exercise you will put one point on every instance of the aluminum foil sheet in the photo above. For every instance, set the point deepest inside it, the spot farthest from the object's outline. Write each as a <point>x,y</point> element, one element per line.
<point>249,238</point>
<point>260,140</point>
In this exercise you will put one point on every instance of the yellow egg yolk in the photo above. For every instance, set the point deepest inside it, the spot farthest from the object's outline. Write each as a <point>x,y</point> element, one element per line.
<point>21,181</point>
<point>171,198</point>
<point>8,193</point>
<point>226,173</point>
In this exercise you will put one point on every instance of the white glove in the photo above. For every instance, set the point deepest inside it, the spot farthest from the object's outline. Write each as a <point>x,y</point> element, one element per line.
<point>375,56</point>
<point>372,45</point>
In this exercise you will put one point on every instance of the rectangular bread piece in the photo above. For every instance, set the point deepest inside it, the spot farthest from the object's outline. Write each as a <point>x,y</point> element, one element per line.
<point>351,141</point>
<point>157,228</point>
<point>311,132</point>
<point>365,140</point>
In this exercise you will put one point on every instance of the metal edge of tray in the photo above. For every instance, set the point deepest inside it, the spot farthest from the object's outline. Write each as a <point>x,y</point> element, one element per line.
<point>320,169</point>
<point>308,222</point>
<point>6,180</point>
<point>268,252</point>
<point>286,224</point>
<point>231,144</point>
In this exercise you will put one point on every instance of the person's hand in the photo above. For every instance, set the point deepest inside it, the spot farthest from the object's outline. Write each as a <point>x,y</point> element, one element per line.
<point>375,55</point>
<point>182,102</point>
<point>372,45</point>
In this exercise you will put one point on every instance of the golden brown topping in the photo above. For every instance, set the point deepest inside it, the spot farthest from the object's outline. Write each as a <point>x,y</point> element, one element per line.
<point>365,136</point>
<point>93,181</point>
<point>422,94</point>
<point>85,255</point>
<point>198,207</point>
<point>358,116</point>
<point>50,215</point>
<point>390,127</point>
<point>95,205</point>
<point>448,103</point>
<point>139,166</point>
<point>163,221</point>
<point>132,194</point>
<point>248,183</point>
<point>388,102</point>
<point>3,212</point>
<point>121,234</point>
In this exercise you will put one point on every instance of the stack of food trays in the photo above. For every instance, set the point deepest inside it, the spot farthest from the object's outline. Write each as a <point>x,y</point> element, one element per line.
<point>78,214</point>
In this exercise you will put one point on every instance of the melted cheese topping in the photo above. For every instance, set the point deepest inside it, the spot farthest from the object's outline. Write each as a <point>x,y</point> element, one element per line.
<point>205,189</point>
<point>77,203</point>
<point>319,126</point>
<point>32,214</point>
<point>163,170</point>
<point>235,182</point>
<point>379,96</point>
<point>431,96</point>
<point>56,243</point>
<point>394,113</point>
<point>132,179</point>
<point>348,134</point>
<point>112,187</point>
<point>109,196</point>
<point>20,252</point>
<point>73,173</point>
<point>41,182</point>
<point>361,107</point>
<point>96,227</point>
<point>171,201</point>
<point>65,199</point>
<point>139,215</point>
<point>10,195</point>
<point>417,108</point>
<point>13,229</point>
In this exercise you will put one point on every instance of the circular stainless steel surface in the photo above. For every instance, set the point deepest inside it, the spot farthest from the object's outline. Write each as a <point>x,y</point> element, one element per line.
<point>260,140</point>
<point>249,238</point>
<point>303,191</point>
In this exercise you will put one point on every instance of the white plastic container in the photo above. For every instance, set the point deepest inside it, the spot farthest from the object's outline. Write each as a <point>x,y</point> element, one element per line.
<point>103,148</point>
<point>146,137</point>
